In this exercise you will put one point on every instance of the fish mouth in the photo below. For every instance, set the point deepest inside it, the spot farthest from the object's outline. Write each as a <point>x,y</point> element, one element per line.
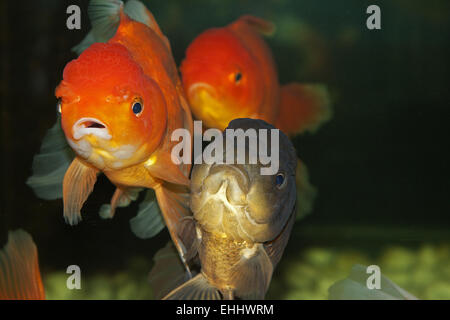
<point>224,184</point>
<point>90,126</point>
<point>220,203</point>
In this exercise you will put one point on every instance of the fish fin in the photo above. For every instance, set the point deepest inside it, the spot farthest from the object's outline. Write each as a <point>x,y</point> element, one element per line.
<point>148,222</point>
<point>167,272</point>
<point>354,287</point>
<point>50,164</point>
<point>163,168</point>
<point>253,274</point>
<point>121,198</point>
<point>174,203</point>
<point>20,278</point>
<point>105,19</point>
<point>260,25</point>
<point>187,233</point>
<point>303,107</point>
<point>198,288</point>
<point>306,192</point>
<point>137,11</point>
<point>87,41</point>
<point>188,124</point>
<point>275,248</point>
<point>78,184</point>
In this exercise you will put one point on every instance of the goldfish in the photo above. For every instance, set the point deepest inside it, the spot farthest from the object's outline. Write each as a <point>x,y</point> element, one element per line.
<point>229,72</point>
<point>20,278</point>
<point>242,221</point>
<point>119,103</point>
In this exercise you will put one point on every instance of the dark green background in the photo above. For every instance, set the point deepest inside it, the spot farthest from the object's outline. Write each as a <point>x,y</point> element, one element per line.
<point>380,165</point>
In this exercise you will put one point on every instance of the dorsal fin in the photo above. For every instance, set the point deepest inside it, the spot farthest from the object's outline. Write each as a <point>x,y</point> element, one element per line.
<point>262,26</point>
<point>105,17</point>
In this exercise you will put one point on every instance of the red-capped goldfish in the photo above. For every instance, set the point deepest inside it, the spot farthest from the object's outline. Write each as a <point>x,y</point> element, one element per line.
<point>20,278</point>
<point>230,73</point>
<point>119,102</point>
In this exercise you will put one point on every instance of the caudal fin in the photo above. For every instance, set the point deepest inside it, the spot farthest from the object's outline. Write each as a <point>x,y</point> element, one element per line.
<point>303,107</point>
<point>198,288</point>
<point>20,278</point>
<point>354,287</point>
<point>50,164</point>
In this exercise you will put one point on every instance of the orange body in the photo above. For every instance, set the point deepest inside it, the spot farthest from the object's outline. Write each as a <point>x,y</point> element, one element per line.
<point>230,73</point>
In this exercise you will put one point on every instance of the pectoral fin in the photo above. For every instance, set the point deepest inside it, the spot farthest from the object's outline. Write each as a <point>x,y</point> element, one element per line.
<point>276,247</point>
<point>122,198</point>
<point>303,107</point>
<point>198,288</point>
<point>174,203</point>
<point>162,167</point>
<point>252,274</point>
<point>78,183</point>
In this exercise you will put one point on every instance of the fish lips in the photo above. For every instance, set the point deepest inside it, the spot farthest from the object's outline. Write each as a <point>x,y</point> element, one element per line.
<point>90,126</point>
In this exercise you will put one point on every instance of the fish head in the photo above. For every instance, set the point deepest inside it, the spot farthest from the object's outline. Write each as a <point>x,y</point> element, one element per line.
<point>112,114</point>
<point>238,201</point>
<point>221,78</point>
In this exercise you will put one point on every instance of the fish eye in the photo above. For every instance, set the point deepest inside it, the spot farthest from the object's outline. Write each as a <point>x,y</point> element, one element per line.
<point>137,107</point>
<point>280,180</point>
<point>58,106</point>
<point>237,77</point>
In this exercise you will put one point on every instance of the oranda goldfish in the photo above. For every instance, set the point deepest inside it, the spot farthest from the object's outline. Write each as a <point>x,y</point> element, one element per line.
<point>119,103</point>
<point>229,73</point>
<point>242,220</point>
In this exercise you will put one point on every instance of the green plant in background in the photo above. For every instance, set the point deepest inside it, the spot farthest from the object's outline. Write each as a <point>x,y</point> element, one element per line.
<point>423,271</point>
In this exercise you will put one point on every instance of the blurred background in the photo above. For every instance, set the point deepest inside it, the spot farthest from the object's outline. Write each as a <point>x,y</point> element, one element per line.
<point>381,165</point>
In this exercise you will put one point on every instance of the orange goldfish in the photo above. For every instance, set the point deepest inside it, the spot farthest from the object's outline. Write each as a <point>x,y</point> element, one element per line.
<point>119,103</point>
<point>230,73</point>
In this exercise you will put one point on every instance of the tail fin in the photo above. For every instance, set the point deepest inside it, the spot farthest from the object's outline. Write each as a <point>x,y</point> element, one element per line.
<point>306,192</point>
<point>303,108</point>
<point>198,288</point>
<point>354,287</point>
<point>148,222</point>
<point>20,278</point>
<point>50,165</point>
<point>105,18</point>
